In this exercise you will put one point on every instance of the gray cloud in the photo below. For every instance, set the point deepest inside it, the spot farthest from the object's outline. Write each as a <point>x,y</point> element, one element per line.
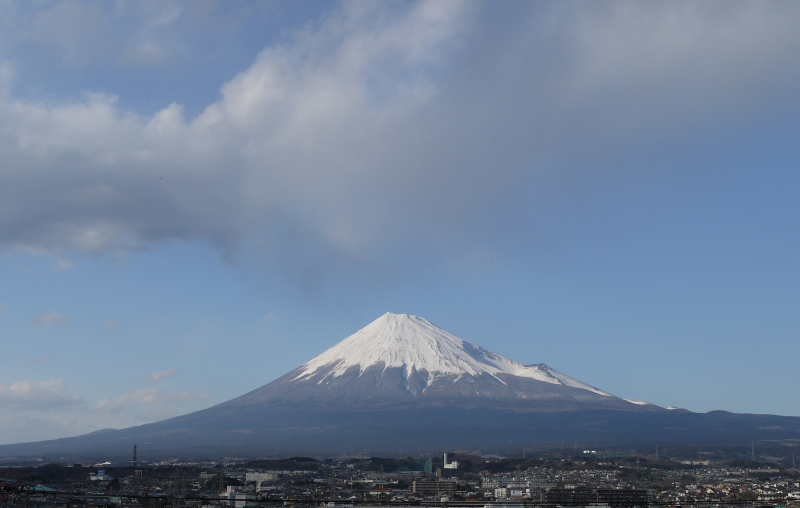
<point>386,136</point>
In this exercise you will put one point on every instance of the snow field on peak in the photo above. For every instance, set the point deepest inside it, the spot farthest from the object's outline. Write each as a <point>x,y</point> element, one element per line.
<point>401,340</point>
<point>638,402</point>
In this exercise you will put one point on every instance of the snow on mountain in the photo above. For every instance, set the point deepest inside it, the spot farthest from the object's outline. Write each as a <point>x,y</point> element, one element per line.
<point>413,343</point>
<point>639,402</point>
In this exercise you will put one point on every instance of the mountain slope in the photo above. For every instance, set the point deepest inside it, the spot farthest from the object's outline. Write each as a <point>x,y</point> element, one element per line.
<point>402,361</point>
<point>401,383</point>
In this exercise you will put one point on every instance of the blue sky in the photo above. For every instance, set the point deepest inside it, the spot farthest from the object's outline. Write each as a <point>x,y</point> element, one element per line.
<point>197,197</point>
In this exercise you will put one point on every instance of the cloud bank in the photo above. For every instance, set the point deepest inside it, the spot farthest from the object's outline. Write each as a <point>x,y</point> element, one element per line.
<point>35,410</point>
<point>386,135</point>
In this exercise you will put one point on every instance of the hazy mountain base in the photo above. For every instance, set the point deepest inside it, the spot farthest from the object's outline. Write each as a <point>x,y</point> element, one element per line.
<point>390,432</point>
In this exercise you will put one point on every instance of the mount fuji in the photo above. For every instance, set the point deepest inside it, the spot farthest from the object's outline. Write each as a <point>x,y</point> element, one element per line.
<point>423,353</point>
<point>403,384</point>
<point>402,361</point>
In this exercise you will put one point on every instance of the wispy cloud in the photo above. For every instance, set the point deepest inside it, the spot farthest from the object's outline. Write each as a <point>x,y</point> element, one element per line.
<point>62,265</point>
<point>161,374</point>
<point>35,410</point>
<point>148,401</point>
<point>110,323</point>
<point>49,394</point>
<point>50,319</point>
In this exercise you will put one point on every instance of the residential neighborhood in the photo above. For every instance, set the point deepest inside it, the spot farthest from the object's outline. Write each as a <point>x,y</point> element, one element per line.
<point>586,479</point>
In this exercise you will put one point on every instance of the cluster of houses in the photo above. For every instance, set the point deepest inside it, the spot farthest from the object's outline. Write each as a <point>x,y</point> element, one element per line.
<point>349,483</point>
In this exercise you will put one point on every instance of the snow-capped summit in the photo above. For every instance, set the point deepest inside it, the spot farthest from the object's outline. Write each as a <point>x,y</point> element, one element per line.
<point>414,345</point>
<point>401,361</point>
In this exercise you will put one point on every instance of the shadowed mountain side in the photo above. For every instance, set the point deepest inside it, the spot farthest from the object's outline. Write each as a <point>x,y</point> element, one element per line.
<point>211,432</point>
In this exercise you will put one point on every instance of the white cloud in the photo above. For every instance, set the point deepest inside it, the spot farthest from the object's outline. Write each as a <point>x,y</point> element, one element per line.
<point>48,394</point>
<point>384,128</point>
<point>110,323</point>
<point>50,319</point>
<point>161,374</point>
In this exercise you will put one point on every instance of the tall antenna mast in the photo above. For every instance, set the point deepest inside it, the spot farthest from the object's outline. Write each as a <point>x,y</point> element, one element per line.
<point>134,456</point>
<point>752,451</point>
